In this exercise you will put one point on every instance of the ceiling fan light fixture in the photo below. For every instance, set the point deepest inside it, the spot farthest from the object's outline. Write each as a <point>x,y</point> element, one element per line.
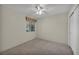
<point>39,9</point>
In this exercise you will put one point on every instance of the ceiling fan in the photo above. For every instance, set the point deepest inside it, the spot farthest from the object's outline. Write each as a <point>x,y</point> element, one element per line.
<point>40,9</point>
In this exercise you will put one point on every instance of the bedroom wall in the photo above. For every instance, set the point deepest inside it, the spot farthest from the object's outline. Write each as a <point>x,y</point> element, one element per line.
<point>13,29</point>
<point>53,28</point>
<point>0,26</point>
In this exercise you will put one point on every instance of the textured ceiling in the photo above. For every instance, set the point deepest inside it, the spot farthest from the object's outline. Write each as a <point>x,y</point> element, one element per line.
<point>51,9</point>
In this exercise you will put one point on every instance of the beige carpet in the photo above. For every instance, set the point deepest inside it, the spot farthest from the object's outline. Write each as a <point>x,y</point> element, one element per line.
<point>39,47</point>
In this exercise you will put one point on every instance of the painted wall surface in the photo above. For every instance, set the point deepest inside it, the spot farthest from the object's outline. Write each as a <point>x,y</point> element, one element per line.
<point>14,29</point>
<point>0,25</point>
<point>77,31</point>
<point>53,28</point>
